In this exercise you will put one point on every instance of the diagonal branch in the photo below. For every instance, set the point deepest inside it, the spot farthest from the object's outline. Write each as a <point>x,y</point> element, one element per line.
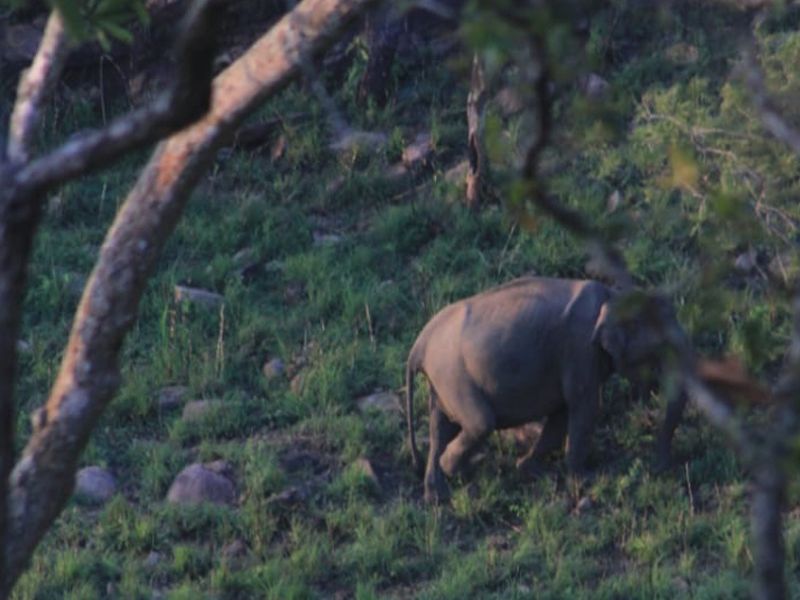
<point>89,375</point>
<point>182,105</point>
<point>35,87</point>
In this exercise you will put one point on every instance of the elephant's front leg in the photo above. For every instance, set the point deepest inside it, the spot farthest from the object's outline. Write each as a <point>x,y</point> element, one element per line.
<point>442,431</point>
<point>551,439</point>
<point>675,406</point>
<point>582,404</point>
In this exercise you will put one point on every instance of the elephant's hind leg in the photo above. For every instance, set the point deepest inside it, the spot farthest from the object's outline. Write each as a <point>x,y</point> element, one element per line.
<point>477,421</point>
<point>442,431</point>
<point>552,438</point>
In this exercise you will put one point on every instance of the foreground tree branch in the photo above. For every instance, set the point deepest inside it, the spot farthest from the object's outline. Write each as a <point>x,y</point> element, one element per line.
<point>89,375</point>
<point>35,87</point>
<point>21,199</point>
<point>15,238</point>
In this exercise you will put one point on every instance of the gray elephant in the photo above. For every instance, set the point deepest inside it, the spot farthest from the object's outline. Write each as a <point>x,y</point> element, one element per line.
<point>533,349</point>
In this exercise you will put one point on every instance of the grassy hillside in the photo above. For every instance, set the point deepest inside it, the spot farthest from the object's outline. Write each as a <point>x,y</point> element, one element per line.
<point>342,267</point>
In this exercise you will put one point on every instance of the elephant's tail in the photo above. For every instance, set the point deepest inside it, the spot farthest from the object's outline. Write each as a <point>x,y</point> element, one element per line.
<point>412,366</point>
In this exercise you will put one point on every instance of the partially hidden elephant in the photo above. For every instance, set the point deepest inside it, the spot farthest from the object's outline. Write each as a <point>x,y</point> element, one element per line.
<point>532,349</point>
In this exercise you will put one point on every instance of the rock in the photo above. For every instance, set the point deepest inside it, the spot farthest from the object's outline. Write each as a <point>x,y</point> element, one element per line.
<point>353,141</point>
<point>278,148</point>
<point>418,152</point>
<point>197,410</point>
<point>457,174</point>
<point>785,267</point>
<point>95,485</point>
<point>509,101</point>
<point>593,86</point>
<point>746,262</point>
<point>614,200</point>
<point>326,239</point>
<point>244,257</point>
<point>198,483</point>
<point>235,549</point>
<point>273,368</point>
<point>171,397</point>
<point>152,560</point>
<point>289,496</point>
<point>381,401</point>
<point>197,296</point>
<point>583,505</point>
<point>364,467</point>
<point>682,53</point>
<point>397,171</point>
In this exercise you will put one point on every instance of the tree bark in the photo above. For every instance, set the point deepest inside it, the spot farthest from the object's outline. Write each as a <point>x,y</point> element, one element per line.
<point>89,374</point>
<point>383,30</point>
<point>476,101</point>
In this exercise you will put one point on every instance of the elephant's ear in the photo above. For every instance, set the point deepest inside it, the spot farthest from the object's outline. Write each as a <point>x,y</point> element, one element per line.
<point>609,335</point>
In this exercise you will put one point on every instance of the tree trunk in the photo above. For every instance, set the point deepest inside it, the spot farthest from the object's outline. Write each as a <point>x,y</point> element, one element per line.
<point>476,100</point>
<point>43,479</point>
<point>384,27</point>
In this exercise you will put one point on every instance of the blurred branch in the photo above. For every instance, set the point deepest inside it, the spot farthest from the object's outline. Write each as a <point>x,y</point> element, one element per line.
<point>35,86</point>
<point>187,101</point>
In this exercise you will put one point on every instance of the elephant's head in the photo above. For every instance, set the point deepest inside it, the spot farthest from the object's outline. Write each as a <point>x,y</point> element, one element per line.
<point>630,328</point>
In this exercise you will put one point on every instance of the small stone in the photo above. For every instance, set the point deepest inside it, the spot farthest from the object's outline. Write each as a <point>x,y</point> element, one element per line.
<point>244,257</point>
<point>235,549</point>
<point>594,86</point>
<point>152,560</point>
<point>197,484</point>
<point>397,171</point>
<point>278,148</point>
<point>380,401</point>
<point>24,347</point>
<point>288,496</point>
<point>197,296</point>
<point>326,239</point>
<point>457,173</point>
<point>95,485</point>
<point>509,101</point>
<point>746,262</point>
<point>583,505</point>
<point>352,141</point>
<point>418,152</point>
<point>682,53</point>
<point>273,368</point>
<point>197,410</point>
<point>171,397</point>
<point>364,466</point>
<point>614,200</point>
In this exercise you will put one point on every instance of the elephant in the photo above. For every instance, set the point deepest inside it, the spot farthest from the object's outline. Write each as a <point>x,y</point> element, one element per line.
<point>533,349</point>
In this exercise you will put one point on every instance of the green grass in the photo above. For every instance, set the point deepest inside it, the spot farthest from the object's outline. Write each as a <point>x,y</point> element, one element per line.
<point>343,316</point>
